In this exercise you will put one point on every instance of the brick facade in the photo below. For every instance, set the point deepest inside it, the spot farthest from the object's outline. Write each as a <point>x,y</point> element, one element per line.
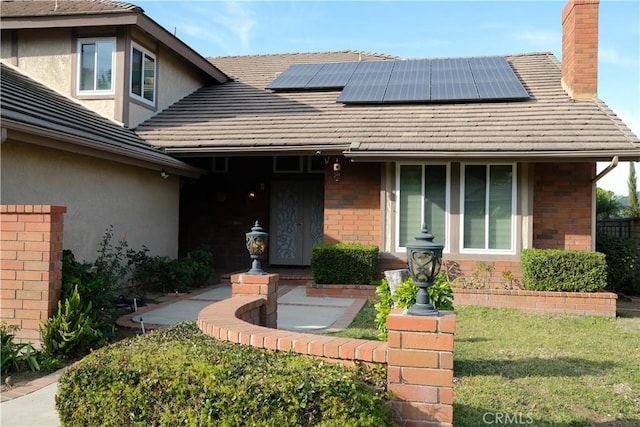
<point>31,264</point>
<point>562,204</point>
<point>352,204</point>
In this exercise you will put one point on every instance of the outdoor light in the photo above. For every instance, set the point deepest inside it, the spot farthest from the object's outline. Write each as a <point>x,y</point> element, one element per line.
<point>423,260</point>
<point>256,245</point>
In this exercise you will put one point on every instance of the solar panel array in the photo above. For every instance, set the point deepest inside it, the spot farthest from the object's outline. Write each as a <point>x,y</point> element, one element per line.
<point>418,80</point>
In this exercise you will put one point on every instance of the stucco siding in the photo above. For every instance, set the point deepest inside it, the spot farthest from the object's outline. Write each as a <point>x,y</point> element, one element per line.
<point>97,193</point>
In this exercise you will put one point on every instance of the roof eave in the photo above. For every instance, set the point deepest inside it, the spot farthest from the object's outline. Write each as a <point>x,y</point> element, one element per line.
<point>530,156</point>
<point>12,130</point>
<point>319,149</point>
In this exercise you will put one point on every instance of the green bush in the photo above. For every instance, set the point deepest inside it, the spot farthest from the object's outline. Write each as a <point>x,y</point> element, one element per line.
<point>344,263</point>
<point>622,260</point>
<point>20,357</point>
<point>73,330</point>
<point>179,376</point>
<point>563,270</point>
<point>440,296</point>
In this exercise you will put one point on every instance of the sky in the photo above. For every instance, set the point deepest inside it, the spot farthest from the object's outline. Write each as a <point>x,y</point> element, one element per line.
<point>416,29</point>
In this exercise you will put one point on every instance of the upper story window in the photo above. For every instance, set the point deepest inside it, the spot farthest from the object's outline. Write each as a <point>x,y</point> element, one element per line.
<point>488,200</point>
<point>96,66</point>
<point>143,74</point>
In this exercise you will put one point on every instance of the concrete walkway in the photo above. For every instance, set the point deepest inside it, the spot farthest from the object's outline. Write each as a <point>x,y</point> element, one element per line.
<point>33,405</point>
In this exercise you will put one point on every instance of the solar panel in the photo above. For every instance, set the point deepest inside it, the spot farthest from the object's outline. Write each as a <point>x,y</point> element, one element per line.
<point>495,79</point>
<point>418,80</point>
<point>409,82</point>
<point>367,83</point>
<point>451,80</point>
<point>297,76</point>
<point>332,75</point>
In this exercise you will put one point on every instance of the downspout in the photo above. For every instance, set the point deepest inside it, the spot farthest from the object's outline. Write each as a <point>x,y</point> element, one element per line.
<point>612,166</point>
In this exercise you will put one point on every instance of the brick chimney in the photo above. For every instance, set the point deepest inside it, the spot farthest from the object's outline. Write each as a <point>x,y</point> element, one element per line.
<point>580,48</point>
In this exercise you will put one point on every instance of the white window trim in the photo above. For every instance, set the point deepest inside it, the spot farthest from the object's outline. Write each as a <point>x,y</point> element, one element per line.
<point>152,55</point>
<point>447,215</point>
<point>95,40</point>
<point>514,193</point>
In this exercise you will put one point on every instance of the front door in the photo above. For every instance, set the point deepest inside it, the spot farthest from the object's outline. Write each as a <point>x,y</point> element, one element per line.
<point>297,214</point>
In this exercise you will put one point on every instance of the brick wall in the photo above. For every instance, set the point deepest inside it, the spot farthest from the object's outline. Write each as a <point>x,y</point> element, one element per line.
<point>31,265</point>
<point>352,204</point>
<point>562,200</point>
<point>419,353</point>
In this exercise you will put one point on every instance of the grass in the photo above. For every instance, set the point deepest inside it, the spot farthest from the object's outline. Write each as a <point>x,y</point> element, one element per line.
<point>516,368</point>
<point>362,326</point>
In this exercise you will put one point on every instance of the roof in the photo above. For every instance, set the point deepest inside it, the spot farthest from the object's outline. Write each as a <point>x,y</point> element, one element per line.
<point>24,8</point>
<point>28,108</point>
<point>243,117</point>
<point>32,14</point>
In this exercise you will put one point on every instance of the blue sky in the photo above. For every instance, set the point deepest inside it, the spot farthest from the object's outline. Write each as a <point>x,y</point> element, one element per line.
<point>415,29</point>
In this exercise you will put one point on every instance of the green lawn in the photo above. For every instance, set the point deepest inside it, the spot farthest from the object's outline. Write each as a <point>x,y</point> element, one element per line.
<point>516,368</point>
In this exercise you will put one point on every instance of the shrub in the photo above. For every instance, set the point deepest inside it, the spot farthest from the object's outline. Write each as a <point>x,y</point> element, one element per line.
<point>73,330</point>
<point>440,296</point>
<point>19,357</point>
<point>344,263</point>
<point>563,270</point>
<point>179,376</point>
<point>622,260</point>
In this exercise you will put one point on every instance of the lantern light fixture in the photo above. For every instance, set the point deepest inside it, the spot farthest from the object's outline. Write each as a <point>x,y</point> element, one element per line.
<point>424,259</point>
<point>257,245</point>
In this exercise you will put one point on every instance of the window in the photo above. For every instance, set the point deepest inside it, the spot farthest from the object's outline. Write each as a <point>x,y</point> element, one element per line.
<point>143,74</point>
<point>423,198</point>
<point>95,66</point>
<point>488,203</point>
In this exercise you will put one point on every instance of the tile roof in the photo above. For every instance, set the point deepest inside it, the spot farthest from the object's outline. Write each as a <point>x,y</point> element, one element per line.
<point>31,107</point>
<point>24,8</point>
<point>243,116</point>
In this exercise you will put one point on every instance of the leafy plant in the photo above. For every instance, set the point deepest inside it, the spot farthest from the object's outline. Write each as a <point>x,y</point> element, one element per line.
<point>622,260</point>
<point>179,376</point>
<point>563,270</point>
<point>344,263</point>
<point>16,356</point>
<point>440,295</point>
<point>72,330</point>
<point>607,204</point>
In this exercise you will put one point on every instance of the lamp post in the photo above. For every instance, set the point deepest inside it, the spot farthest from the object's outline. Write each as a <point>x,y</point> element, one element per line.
<point>257,245</point>
<point>423,260</point>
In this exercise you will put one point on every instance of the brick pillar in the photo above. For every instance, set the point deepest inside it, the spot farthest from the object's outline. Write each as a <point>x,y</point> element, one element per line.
<point>420,368</point>
<point>265,286</point>
<point>31,266</point>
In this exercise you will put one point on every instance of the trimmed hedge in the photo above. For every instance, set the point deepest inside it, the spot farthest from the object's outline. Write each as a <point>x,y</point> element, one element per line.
<point>179,376</point>
<point>622,260</point>
<point>563,270</point>
<point>344,263</point>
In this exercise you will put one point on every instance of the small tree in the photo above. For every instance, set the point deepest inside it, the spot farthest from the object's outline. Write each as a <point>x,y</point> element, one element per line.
<point>634,207</point>
<point>607,204</point>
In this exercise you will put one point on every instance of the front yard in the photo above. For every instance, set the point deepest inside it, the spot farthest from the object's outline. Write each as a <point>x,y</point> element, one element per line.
<point>515,368</point>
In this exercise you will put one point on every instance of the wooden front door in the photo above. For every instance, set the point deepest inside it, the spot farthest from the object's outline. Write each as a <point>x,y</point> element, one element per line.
<point>297,214</point>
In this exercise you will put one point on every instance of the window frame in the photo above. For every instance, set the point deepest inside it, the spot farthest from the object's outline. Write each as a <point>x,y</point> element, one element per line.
<point>447,215</point>
<point>148,53</point>
<point>95,40</point>
<point>514,212</point>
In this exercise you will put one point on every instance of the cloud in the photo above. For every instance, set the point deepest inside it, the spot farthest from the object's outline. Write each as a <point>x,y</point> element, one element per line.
<point>543,40</point>
<point>612,56</point>
<point>228,25</point>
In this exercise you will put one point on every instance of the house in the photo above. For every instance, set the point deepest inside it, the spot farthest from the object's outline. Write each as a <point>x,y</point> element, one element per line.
<point>77,76</point>
<point>489,174</point>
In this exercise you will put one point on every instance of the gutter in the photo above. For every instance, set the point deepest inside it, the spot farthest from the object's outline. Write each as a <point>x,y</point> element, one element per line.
<point>612,166</point>
<point>531,156</point>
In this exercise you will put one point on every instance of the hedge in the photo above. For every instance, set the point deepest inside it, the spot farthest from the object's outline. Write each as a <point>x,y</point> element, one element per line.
<point>179,376</point>
<point>622,260</point>
<point>563,270</point>
<point>344,263</point>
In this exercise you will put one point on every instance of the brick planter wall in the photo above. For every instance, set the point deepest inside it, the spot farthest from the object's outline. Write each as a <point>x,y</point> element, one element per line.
<point>338,291</point>
<point>419,354</point>
<point>596,303</point>
<point>31,266</point>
